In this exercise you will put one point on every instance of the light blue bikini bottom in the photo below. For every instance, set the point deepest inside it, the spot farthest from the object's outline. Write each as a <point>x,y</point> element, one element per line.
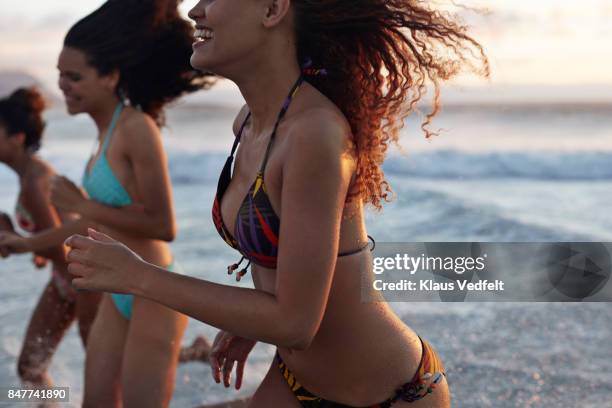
<point>124,302</point>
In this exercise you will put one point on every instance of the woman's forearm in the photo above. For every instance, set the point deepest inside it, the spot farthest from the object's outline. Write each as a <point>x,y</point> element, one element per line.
<point>136,221</point>
<point>45,243</point>
<point>55,254</point>
<point>247,313</point>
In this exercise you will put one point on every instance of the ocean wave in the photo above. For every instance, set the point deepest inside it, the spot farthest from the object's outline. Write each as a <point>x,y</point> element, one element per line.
<point>444,164</point>
<point>204,167</point>
<point>450,164</point>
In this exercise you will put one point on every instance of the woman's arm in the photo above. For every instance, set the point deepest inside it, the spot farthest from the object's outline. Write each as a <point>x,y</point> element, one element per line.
<point>44,241</point>
<point>12,243</point>
<point>37,200</point>
<point>5,223</point>
<point>153,217</point>
<point>315,184</point>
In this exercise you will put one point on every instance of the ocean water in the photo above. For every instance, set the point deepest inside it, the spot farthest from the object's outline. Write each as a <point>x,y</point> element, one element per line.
<point>496,173</point>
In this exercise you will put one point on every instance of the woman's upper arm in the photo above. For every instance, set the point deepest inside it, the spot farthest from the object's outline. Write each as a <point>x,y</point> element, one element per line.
<point>316,175</point>
<point>150,166</point>
<point>39,204</point>
<point>46,218</point>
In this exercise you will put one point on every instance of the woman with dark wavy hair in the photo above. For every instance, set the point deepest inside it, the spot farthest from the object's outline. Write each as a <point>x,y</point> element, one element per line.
<point>328,85</point>
<point>121,65</point>
<point>21,131</point>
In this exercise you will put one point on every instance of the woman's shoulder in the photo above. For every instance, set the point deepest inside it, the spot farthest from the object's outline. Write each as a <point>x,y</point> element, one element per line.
<point>41,172</point>
<point>240,118</point>
<point>38,179</point>
<point>137,126</point>
<point>323,125</point>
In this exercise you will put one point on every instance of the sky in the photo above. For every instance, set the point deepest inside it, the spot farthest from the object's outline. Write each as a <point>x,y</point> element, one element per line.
<point>543,42</point>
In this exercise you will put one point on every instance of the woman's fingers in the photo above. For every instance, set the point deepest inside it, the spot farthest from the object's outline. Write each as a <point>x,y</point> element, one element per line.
<point>218,357</point>
<point>239,373</point>
<point>79,242</point>
<point>99,236</point>
<point>79,283</point>
<point>39,261</point>
<point>77,255</point>
<point>227,371</point>
<point>78,269</point>
<point>213,359</point>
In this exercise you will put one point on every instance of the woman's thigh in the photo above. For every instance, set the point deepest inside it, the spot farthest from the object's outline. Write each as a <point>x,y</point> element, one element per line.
<point>151,354</point>
<point>51,318</point>
<point>104,357</point>
<point>87,304</point>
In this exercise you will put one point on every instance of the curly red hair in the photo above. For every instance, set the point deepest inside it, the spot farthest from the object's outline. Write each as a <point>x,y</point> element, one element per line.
<point>379,56</point>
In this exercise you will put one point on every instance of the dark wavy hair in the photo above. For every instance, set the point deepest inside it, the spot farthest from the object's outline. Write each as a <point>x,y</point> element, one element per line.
<point>380,56</point>
<point>21,112</point>
<point>149,43</point>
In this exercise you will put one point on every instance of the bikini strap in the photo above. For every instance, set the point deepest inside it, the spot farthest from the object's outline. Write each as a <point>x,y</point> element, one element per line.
<point>239,135</point>
<point>281,115</point>
<point>113,124</point>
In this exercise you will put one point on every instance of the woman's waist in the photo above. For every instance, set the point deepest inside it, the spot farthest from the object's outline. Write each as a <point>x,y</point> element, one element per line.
<point>354,326</point>
<point>154,251</point>
<point>359,366</point>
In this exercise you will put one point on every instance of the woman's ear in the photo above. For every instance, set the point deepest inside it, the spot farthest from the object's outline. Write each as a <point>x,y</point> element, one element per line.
<point>275,12</point>
<point>112,80</point>
<point>18,139</point>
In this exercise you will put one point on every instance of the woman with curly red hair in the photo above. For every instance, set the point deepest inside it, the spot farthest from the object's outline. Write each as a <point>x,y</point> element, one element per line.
<point>328,85</point>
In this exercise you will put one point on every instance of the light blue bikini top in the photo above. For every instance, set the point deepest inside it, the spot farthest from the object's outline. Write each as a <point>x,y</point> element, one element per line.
<point>100,182</point>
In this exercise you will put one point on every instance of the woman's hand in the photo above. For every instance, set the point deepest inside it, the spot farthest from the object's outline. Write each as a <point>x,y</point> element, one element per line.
<point>5,223</point>
<point>100,263</point>
<point>11,243</point>
<point>226,350</point>
<point>39,261</point>
<point>67,196</point>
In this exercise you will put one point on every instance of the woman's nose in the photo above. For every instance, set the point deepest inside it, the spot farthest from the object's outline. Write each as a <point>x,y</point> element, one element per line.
<point>197,11</point>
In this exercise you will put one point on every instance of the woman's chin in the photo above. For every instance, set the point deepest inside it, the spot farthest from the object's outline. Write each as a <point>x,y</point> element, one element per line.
<point>200,63</point>
<point>72,110</point>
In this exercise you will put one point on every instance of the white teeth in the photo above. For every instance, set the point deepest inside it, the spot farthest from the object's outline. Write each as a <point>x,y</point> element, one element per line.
<point>204,34</point>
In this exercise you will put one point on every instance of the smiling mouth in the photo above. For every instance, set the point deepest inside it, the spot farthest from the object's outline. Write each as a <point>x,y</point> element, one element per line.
<point>203,35</point>
<point>70,97</point>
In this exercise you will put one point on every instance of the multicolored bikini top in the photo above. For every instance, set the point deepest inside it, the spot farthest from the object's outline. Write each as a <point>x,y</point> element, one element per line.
<point>256,233</point>
<point>257,225</point>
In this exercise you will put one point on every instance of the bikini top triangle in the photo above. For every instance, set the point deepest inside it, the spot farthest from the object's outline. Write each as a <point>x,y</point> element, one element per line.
<point>100,181</point>
<point>256,233</point>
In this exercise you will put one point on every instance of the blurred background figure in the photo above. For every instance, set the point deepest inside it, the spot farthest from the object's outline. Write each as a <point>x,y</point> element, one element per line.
<point>121,65</point>
<point>21,131</point>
